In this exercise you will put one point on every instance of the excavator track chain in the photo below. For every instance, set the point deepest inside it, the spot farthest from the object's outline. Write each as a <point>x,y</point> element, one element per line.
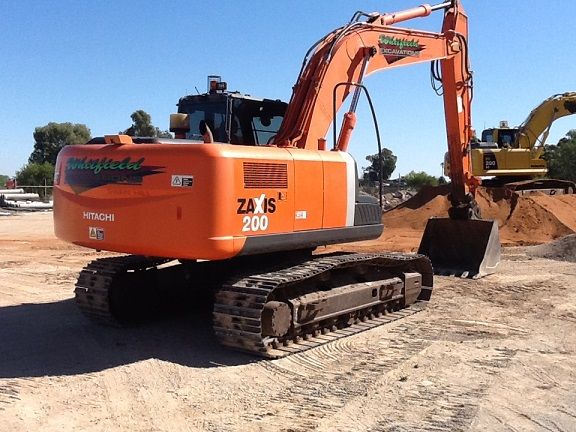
<point>271,312</point>
<point>102,281</point>
<point>314,286</point>
<point>545,186</point>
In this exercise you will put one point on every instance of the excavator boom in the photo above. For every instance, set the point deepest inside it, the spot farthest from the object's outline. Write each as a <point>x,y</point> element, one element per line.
<point>533,132</point>
<point>341,60</point>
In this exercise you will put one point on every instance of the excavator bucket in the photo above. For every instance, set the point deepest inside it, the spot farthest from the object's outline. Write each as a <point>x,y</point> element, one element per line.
<point>465,248</point>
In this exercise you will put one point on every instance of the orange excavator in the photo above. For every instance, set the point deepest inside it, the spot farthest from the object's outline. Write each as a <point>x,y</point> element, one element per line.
<point>239,200</point>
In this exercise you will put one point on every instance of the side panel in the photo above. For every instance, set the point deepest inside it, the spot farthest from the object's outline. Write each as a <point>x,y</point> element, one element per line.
<point>506,162</point>
<point>339,189</point>
<point>308,189</point>
<point>324,193</point>
<point>261,192</point>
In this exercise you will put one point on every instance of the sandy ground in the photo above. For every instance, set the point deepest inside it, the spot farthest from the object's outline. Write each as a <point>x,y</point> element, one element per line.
<point>496,354</point>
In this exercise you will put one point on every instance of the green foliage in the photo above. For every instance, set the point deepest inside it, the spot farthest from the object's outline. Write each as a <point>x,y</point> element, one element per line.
<point>49,140</point>
<point>163,133</point>
<point>388,166</point>
<point>142,126</point>
<point>3,180</point>
<point>35,174</point>
<point>417,180</point>
<point>561,158</point>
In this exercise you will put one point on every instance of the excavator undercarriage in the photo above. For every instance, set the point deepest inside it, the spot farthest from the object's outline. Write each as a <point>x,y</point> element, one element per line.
<point>524,186</point>
<point>271,312</point>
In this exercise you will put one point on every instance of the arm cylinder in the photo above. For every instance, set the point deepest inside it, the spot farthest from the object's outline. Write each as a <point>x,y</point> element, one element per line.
<point>396,17</point>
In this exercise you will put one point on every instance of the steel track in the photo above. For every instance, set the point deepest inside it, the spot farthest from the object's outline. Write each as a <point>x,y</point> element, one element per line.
<point>239,304</point>
<point>93,291</point>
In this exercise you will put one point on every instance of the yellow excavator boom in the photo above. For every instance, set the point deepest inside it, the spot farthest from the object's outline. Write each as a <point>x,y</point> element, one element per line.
<point>532,134</point>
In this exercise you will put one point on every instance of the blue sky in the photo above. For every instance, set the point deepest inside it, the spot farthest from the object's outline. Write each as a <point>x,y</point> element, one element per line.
<point>96,62</point>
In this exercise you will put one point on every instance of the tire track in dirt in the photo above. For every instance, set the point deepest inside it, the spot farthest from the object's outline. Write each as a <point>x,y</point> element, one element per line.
<point>323,380</point>
<point>9,394</point>
<point>444,404</point>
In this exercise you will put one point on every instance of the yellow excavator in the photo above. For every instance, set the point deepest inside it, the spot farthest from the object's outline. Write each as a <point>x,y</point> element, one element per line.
<point>512,156</point>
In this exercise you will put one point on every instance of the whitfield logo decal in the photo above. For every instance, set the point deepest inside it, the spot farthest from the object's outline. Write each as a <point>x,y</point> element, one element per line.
<point>394,49</point>
<point>84,174</point>
<point>97,165</point>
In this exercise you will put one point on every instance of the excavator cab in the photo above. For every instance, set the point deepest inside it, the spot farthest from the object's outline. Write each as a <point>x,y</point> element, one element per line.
<point>503,137</point>
<point>232,117</point>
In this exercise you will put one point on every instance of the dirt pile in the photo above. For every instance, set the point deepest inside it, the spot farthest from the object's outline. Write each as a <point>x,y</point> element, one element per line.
<point>523,220</point>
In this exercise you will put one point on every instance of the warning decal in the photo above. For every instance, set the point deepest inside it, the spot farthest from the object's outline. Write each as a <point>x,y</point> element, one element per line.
<point>95,233</point>
<point>182,180</point>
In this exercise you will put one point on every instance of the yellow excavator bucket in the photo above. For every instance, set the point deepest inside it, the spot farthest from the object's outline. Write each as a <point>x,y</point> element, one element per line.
<point>465,248</point>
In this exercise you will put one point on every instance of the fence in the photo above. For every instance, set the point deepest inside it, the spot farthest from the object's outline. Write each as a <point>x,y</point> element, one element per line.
<point>44,192</point>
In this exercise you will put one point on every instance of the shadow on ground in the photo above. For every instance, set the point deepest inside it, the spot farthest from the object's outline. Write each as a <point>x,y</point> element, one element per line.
<point>56,339</point>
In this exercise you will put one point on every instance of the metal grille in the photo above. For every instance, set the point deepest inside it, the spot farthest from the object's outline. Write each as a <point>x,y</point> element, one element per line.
<point>261,175</point>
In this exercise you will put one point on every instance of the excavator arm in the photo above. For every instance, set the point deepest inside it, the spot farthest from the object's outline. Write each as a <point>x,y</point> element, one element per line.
<point>533,133</point>
<point>336,66</point>
<point>338,63</point>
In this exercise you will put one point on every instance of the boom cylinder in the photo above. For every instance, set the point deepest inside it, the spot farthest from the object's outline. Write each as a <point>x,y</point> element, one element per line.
<point>346,132</point>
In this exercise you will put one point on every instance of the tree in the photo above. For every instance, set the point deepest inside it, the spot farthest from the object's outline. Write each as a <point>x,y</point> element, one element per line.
<point>163,133</point>
<point>36,174</point>
<point>418,180</point>
<point>561,158</point>
<point>3,180</point>
<point>142,126</point>
<point>49,140</point>
<point>388,165</point>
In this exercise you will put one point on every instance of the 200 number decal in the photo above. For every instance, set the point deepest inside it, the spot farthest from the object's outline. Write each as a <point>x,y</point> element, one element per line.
<point>255,223</point>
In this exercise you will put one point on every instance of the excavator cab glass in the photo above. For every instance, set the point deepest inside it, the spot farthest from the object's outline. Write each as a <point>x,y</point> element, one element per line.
<point>210,108</point>
<point>259,120</point>
<point>506,137</point>
<point>233,118</point>
<point>488,135</point>
<point>503,137</point>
